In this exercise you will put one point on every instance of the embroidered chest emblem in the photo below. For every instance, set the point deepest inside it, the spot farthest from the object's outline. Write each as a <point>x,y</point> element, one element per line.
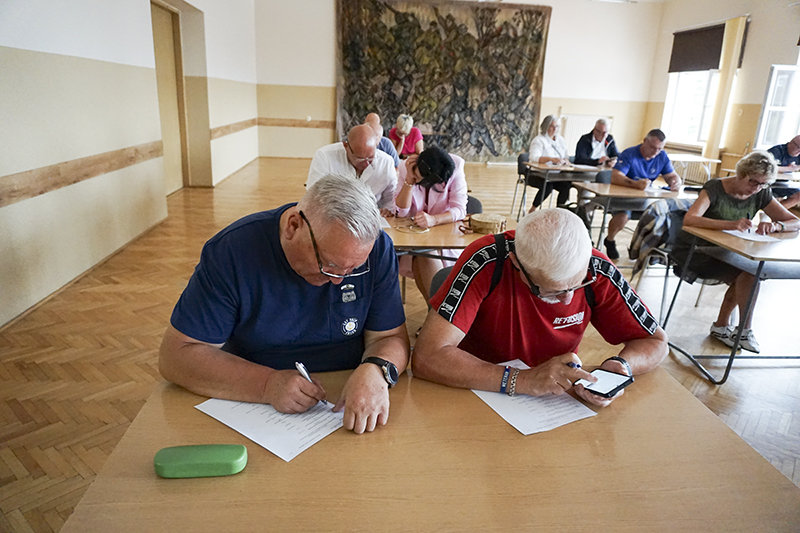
<point>350,326</point>
<point>348,294</point>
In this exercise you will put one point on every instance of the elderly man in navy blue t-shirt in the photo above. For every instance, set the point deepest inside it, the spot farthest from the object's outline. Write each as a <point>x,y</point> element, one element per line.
<point>637,167</point>
<point>314,282</point>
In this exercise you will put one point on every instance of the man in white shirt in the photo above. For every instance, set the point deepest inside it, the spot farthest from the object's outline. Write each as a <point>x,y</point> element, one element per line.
<point>358,158</point>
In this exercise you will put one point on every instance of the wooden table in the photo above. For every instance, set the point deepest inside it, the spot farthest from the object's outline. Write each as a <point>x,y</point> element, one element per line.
<point>605,193</point>
<point>440,237</point>
<point>557,173</point>
<point>765,260</point>
<point>685,159</point>
<point>656,460</point>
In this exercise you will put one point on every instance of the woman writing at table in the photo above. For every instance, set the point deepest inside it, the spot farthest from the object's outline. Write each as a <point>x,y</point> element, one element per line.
<point>728,204</point>
<point>432,190</point>
<point>548,148</point>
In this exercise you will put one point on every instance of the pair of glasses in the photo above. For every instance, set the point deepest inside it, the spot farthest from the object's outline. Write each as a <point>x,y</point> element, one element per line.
<point>538,292</point>
<point>359,159</point>
<point>759,184</point>
<point>359,271</point>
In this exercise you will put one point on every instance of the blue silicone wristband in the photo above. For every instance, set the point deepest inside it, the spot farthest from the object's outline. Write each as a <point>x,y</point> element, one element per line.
<point>504,382</point>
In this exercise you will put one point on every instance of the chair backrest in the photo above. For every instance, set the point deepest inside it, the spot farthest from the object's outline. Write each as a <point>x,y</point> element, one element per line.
<point>474,205</point>
<point>438,279</point>
<point>604,176</point>
<point>522,158</point>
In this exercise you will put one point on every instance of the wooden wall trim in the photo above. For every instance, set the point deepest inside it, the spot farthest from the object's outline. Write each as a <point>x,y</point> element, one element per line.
<point>31,183</point>
<point>222,131</point>
<point>297,123</point>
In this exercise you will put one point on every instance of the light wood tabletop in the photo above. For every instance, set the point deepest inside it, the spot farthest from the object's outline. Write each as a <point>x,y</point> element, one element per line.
<point>786,248</point>
<point>610,190</point>
<point>655,460</point>
<point>406,236</point>
<point>564,168</point>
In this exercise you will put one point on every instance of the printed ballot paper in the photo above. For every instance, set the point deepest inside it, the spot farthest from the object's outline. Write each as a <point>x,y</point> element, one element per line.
<point>533,414</point>
<point>749,235</point>
<point>287,436</point>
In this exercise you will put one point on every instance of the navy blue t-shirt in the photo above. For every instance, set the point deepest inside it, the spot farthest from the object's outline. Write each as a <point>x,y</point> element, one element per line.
<point>636,167</point>
<point>781,153</point>
<point>244,293</point>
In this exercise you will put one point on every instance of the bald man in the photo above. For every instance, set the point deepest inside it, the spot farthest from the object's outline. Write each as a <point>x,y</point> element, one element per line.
<point>359,159</point>
<point>373,120</point>
<point>788,158</point>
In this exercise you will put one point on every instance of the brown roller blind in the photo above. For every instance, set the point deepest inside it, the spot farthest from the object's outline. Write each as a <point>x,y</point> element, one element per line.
<point>698,49</point>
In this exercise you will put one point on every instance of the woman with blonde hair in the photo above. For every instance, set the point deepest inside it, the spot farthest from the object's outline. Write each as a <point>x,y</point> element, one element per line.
<point>406,138</point>
<point>729,204</point>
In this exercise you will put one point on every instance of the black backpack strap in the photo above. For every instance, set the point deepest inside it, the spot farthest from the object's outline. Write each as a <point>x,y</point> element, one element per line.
<point>500,245</point>
<point>589,293</point>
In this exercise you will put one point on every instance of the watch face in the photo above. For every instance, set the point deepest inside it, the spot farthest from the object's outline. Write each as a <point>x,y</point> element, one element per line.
<point>391,372</point>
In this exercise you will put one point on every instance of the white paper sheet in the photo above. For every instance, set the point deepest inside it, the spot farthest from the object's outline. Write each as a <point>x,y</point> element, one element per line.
<point>533,414</point>
<point>750,236</point>
<point>284,435</point>
<point>385,223</point>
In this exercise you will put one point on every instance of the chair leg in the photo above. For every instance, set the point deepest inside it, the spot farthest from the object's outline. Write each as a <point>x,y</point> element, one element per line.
<point>699,294</point>
<point>514,200</point>
<point>664,293</point>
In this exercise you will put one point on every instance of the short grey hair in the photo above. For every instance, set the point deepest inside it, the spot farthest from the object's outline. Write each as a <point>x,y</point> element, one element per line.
<point>345,201</point>
<point>549,119</point>
<point>758,163</point>
<point>404,123</point>
<point>553,244</point>
<point>602,121</point>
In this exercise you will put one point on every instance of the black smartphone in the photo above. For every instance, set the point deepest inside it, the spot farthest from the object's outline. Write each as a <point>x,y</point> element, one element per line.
<point>608,383</point>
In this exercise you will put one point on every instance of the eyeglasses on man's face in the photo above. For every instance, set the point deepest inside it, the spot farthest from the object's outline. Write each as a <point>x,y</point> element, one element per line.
<point>359,271</point>
<point>537,291</point>
<point>366,160</point>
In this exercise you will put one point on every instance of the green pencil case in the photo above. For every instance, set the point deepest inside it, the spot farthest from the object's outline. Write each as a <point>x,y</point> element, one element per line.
<point>202,460</point>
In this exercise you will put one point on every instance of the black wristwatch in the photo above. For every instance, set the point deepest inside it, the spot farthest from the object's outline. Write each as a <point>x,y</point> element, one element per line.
<point>623,361</point>
<point>390,373</point>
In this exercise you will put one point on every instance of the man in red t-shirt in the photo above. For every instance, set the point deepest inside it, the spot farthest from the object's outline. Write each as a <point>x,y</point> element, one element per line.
<point>552,283</point>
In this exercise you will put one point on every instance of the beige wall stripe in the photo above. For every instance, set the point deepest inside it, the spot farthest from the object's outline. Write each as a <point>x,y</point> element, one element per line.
<point>31,183</point>
<point>222,131</point>
<point>297,123</point>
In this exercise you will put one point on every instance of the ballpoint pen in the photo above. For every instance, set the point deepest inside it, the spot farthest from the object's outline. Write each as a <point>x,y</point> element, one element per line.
<point>303,372</point>
<point>573,365</point>
<point>749,230</point>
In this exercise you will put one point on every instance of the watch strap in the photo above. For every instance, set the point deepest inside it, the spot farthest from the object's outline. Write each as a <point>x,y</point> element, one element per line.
<point>624,363</point>
<point>384,366</point>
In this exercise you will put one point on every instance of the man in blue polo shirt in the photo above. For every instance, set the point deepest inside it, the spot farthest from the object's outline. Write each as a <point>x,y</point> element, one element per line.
<point>314,282</point>
<point>637,167</point>
<point>788,159</point>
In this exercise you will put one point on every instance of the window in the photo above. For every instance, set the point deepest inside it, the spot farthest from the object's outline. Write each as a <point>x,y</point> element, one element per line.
<point>780,114</point>
<point>689,106</point>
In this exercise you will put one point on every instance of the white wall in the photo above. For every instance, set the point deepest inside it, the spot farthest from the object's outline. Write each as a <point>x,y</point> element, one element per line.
<point>230,38</point>
<point>771,39</point>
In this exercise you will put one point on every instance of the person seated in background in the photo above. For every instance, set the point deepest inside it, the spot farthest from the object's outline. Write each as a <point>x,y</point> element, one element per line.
<point>597,147</point>
<point>359,159</point>
<point>728,204</point>
<point>269,291</point>
<point>637,167</point>
<point>548,147</point>
<point>788,159</point>
<point>373,120</point>
<point>552,284</point>
<point>432,190</point>
<point>406,138</point>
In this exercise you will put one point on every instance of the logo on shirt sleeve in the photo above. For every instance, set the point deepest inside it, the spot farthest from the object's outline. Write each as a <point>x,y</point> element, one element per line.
<point>350,326</point>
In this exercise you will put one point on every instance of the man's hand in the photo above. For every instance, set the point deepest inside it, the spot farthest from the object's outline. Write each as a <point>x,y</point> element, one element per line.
<point>365,399</point>
<point>594,399</point>
<point>640,184</point>
<point>289,392</point>
<point>552,377</point>
<point>424,220</point>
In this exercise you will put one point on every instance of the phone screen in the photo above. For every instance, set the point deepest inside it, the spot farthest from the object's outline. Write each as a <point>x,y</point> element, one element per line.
<point>608,383</point>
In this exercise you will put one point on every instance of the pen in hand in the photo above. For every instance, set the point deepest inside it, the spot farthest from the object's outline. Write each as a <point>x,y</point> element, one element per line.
<point>573,365</point>
<point>303,371</point>
<point>748,218</point>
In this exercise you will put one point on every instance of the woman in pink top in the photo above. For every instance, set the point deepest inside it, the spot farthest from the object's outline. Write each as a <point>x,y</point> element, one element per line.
<point>407,140</point>
<point>432,189</point>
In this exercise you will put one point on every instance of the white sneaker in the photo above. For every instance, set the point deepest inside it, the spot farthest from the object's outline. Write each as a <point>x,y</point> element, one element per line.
<point>723,334</point>
<point>749,342</point>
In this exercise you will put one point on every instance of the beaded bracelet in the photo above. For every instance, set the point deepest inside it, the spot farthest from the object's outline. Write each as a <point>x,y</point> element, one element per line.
<point>512,384</point>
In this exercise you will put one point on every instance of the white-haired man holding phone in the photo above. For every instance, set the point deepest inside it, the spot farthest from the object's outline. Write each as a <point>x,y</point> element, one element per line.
<point>531,294</point>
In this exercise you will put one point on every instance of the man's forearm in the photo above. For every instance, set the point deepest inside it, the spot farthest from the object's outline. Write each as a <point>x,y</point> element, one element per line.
<point>394,348</point>
<point>207,370</point>
<point>646,354</point>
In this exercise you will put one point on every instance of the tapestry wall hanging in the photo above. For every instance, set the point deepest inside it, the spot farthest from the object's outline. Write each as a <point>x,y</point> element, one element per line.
<point>468,73</point>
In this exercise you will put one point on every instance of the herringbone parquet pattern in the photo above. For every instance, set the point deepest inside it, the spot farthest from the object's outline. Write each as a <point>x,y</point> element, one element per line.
<point>76,370</point>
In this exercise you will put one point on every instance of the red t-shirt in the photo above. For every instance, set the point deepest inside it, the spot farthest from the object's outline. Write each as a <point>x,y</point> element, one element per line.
<point>512,323</point>
<point>410,144</point>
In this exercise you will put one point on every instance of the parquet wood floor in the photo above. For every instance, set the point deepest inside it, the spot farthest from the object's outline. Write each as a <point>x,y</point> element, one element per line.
<point>75,371</point>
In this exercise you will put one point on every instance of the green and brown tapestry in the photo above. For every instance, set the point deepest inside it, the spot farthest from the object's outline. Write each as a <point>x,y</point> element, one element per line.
<point>471,72</point>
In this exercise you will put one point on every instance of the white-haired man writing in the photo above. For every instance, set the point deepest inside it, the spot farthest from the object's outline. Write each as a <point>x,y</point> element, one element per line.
<point>550,284</point>
<point>314,282</point>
